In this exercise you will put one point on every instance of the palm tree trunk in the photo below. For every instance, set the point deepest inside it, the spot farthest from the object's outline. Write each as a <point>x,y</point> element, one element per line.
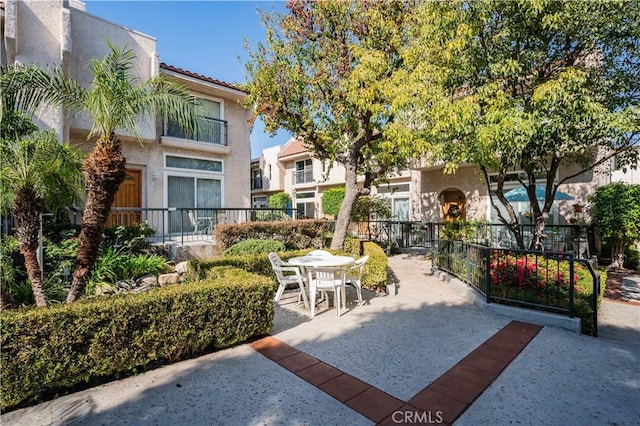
<point>104,170</point>
<point>26,209</point>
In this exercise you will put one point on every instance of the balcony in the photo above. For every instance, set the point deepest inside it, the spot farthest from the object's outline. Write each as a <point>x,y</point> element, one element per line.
<point>208,130</point>
<point>302,176</point>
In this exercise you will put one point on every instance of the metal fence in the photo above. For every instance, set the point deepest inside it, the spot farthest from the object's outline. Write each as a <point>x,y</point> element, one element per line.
<point>531,279</point>
<point>186,225</point>
<point>576,239</point>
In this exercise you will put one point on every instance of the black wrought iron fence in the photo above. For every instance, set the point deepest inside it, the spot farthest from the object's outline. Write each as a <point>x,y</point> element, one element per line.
<point>184,225</point>
<point>548,281</point>
<point>577,239</point>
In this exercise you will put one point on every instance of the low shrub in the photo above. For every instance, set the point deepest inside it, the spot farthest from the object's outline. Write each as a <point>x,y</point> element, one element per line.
<point>254,263</point>
<point>65,346</point>
<point>545,282</point>
<point>253,246</point>
<point>114,265</point>
<point>294,234</point>
<point>374,277</point>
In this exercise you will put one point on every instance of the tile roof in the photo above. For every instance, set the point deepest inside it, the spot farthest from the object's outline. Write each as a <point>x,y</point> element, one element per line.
<point>199,76</point>
<point>294,146</point>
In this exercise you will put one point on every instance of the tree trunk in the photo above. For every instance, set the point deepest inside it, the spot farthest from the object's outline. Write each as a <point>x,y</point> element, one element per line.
<point>537,234</point>
<point>351,194</point>
<point>104,170</point>
<point>617,253</point>
<point>26,210</point>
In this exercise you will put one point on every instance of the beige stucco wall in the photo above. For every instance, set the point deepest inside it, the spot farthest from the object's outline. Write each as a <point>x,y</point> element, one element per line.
<point>88,35</point>
<point>432,182</point>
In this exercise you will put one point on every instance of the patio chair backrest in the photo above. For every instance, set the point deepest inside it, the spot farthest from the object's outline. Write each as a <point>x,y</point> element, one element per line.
<point>355,271</point>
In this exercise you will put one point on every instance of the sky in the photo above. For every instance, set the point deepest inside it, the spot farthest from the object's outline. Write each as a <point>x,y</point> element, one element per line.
<point>205,37</point>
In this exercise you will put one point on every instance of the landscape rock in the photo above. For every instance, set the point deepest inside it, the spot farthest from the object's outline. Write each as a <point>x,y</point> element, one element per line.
<point>125,284</point>
<point>181,267</point>
<point>148,279</point>
<point>145,287</point>
<point>172,278</point>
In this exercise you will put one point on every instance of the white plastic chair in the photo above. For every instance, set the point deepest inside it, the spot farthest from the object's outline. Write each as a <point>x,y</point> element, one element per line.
<point>199,224</point>
<point>326,279</point>
<point>354,275</point>
<point>319,253</point>
<point>287,275</point>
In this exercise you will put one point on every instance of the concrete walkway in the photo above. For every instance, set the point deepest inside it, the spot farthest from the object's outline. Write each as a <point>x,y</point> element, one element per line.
<point>399,345</point>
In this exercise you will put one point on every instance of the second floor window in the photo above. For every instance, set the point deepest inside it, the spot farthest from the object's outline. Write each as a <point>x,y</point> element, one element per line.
<point>256,179</point>
<point>210,126</point>
<point>303,172</point>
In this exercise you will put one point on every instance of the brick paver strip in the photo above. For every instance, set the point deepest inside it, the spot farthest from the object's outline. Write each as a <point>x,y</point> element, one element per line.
<point>443,401</point>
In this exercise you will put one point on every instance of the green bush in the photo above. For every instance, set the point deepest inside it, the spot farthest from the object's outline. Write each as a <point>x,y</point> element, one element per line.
<point>253,246</point>
<point>130,239</point>
<point>114,265</point>
<point>374,277</point>
<point>50,350</point>
<point>254,263</point>
<point>270,216</point>
<point>332,200</point>
<point>280,200</point>
<point>295,234</point>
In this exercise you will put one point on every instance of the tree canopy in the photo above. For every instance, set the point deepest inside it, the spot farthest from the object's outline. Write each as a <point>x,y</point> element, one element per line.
<point>522,87</point>
<point>615,213</point>
<point>323,74</point>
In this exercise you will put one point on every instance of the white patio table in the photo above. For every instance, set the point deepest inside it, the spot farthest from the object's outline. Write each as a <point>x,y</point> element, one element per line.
<point>307,263</point>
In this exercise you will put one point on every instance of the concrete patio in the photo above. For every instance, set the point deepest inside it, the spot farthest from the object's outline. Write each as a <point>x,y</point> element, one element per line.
<point>398,346</point>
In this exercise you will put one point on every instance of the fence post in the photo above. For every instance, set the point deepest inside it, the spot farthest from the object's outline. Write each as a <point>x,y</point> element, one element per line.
<point>487,274</point>
<point>571,284</point>
<point>467,248</point>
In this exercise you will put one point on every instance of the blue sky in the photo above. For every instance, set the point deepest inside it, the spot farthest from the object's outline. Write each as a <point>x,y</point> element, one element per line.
<point>205,37</point>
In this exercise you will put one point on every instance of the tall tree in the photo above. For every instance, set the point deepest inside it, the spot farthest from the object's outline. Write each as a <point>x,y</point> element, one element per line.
<point>37,174</point>
<point>528,86</point>
<point>116,100</point>
<point>615,212</point>
<point>324,74</point>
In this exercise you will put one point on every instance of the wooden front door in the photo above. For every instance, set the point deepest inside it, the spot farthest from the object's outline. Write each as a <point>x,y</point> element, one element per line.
<point>454,205</point>
<point>129,195</point>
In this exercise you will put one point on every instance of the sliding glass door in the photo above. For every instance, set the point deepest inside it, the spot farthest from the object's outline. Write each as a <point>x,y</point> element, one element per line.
<point>189,192</point>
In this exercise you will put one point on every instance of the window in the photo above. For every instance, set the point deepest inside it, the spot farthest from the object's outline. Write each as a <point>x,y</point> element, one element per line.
<point>306,205</point>
<point>256,179</point>
<point>260,202</point>
<point>190,192</point>
<point>269,172</point>
<point>193,183</point>
<point>303,172</point>
<point>193,164</point>
<point>209,127</point>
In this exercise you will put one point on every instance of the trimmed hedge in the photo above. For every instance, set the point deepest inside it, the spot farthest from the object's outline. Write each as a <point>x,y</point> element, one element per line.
<point>374,277</point>
<point>254,263</point>
<point>253,246</point>
<point>47,350</point>
<point>295,234</point>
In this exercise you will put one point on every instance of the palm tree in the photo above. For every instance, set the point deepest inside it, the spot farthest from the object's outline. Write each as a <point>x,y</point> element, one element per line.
<point>36,174</point>
<point>116,100</point>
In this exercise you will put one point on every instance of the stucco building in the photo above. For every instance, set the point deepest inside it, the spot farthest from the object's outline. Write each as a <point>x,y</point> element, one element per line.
<point>164,168</point>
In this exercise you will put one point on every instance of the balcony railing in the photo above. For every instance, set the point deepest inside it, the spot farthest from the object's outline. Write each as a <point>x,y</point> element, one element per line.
<point>210,130</point>
<point>302,176</point>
